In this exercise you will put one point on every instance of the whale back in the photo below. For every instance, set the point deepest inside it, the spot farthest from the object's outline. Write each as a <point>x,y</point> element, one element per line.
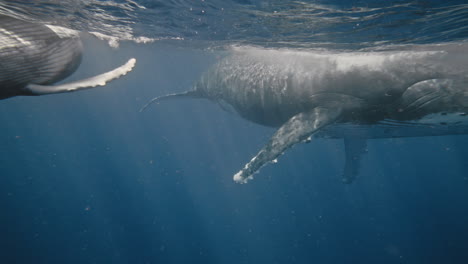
<point>270,86</point>
<point>32,53</point>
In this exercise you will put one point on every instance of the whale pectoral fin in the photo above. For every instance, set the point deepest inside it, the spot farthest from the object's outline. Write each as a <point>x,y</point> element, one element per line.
<point>423,95</point>
<point>297,129</point>
<point>354,149</point>
<point>98,80</point>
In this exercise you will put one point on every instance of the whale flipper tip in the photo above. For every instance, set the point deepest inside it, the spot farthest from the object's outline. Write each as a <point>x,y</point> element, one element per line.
<point>241,179</point>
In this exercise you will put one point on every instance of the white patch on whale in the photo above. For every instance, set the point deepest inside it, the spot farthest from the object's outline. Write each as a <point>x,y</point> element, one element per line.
<point>63,32</point>
<point>10,40</point>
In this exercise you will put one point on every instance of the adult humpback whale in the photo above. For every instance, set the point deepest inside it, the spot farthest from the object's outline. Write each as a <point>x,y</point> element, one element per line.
<point>33,56</point>
<point>415,91</point>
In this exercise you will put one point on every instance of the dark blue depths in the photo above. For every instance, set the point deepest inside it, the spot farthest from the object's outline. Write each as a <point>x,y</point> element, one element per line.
<point>85,178</point>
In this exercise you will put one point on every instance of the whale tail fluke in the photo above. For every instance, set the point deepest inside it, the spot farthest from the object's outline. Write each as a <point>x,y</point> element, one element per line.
<point>191,94</point>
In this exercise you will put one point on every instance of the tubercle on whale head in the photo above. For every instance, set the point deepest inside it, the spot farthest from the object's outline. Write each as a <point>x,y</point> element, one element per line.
<point>208,87</point>
<point>202,90</point>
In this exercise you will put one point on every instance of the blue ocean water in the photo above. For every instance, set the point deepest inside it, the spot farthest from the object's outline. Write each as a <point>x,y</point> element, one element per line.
<point>86,178</point>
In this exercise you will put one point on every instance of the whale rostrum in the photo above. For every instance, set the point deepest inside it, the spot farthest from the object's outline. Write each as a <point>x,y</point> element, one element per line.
<point>412,91</point>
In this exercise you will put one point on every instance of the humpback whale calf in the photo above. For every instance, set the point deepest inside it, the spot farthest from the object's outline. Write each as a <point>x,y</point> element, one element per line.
<point>34,56</point>
<point>411,92</point>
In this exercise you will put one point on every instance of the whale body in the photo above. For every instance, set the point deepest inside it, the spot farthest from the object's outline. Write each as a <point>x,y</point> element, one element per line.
<point>34,56</point>
<point>411,92</point>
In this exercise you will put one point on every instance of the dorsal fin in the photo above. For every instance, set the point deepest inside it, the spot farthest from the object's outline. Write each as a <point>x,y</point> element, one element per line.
<point>191,93</point>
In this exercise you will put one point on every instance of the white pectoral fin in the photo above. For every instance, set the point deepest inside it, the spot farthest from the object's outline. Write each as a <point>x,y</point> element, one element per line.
<point>98,80</point>
<point>299,128</point>
<point>354,149</point>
